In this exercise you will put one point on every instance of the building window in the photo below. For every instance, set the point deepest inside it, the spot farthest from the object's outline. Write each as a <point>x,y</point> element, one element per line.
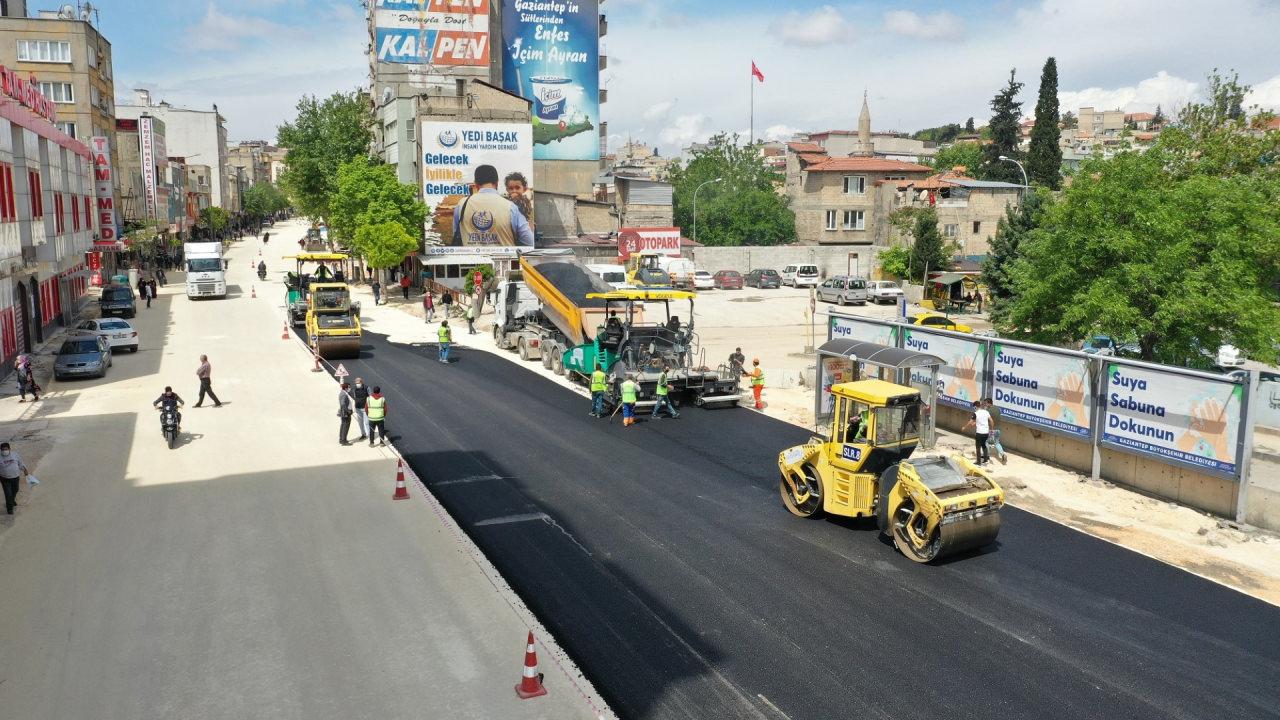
<point>854,220</point>
<point>37,194</point>
<point>977,226</point>
<point>75,214</point>
<point>831,219</point>
<point>59,225</point>
<point>950,230</point>
<point>93,56</point>
<point>895,177</point>
<point>855,185</point>
<point>67,127</point>
<point>51,51</point>
<point>58,92</point>
<point>88,213</point>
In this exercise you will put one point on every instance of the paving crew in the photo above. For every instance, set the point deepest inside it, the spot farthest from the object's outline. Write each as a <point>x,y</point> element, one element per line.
<point>599,383</point>
<point>757,382</point>
<point>376,406</point>
<point>630,393</point>
<point>664,398</point>
<point>736,361</point>
<point>445,337</point>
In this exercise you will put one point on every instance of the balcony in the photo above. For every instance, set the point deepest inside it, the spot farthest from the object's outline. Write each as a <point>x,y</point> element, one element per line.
<point>604,61</point>
<point>604,96</point>
<point>604,25</point>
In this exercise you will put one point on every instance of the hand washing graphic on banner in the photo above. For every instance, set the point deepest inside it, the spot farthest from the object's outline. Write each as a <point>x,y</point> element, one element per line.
<point>1042,389</point>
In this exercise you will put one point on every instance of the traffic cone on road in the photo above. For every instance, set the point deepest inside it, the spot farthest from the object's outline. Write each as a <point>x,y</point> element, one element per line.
<point>402,492</point>
<point>285,335</point>
<point>531,683</point>
<point>253,292</point>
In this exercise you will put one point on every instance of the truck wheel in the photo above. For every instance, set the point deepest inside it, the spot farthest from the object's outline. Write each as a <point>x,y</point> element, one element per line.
<point>557,364</point>
<point>498,339</point>
<point>546,357</point>
<point>523,349</point>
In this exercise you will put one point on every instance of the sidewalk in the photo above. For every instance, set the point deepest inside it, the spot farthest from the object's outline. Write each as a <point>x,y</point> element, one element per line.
<point>259,569</point>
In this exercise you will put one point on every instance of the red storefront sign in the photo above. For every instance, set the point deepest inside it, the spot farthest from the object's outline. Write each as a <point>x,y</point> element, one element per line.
<point>665,240</point>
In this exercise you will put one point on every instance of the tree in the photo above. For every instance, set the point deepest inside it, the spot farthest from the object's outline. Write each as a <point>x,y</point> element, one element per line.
<point>263,199</point>
<point>895,261</point>
<point>968,154</point>
<point>1012,231</point>
<point>1070,121</point>
<point>146,237</point>
<point>941,134</point>
<point>213,219</point>
<point>968,126</point>
<point>928,252</point>
<point>1044,161</point>
<point>743,208</point>
<point>385,244</point>
<point>1159,119</point>
<point>369,193</point>
<point>1005,134</point>
<point>324,135</point>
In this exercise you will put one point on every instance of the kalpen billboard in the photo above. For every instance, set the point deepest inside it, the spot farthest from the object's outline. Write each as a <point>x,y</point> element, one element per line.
<point>432,32</point>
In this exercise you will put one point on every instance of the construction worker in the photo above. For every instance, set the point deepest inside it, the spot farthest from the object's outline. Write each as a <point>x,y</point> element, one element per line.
<point>757,382</point>
<point>376,407</point>
<point>445,336</point>
<point>599,383</point>
<point>630,395</point>
<point>663,398</point>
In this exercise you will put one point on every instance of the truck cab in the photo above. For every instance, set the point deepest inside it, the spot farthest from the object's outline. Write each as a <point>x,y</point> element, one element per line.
<point>206,270</point>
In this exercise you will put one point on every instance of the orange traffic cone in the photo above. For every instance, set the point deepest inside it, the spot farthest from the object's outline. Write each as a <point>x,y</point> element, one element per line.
<point>253,292</point>
<point>402,492</point>
<point>285,335</point>
<point>531,683</point>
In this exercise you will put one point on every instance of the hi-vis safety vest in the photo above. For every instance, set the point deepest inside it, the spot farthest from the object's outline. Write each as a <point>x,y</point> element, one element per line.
<point>757,378</point>
<point>444,333</point>
<point>377,408</point>
<point>662,384</point>
<point>599,381</point>
<point>629,389</point>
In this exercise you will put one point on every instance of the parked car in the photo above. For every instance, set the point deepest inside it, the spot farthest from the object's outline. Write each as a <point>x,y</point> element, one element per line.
<point>702,280</point>
<point>843,290</point>
<point>119,333</point>
<point>117,300</point>
<point>82,355</point>
<point>800,275</point>
<point>1107,346</point>
<point>728,280</point>
<point>764,278</point>
<point>941,322</point>
<point>879,291</point>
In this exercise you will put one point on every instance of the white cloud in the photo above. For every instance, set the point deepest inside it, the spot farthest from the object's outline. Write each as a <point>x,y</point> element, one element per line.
<point>778,132</point>
<point>1266,95</point>
<point>216,31</point>
<point>686,129</point>
<point>937,26</point>
<point>822,26</point>
<point>1168,91</point>
<point>659,110</point>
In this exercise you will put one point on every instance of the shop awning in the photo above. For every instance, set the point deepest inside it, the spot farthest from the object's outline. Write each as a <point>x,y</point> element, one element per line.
<point>950,278</point>
<point>455,260</point>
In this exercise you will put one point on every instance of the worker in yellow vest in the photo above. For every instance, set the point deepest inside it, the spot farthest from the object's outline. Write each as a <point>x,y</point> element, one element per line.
<point>630,396</point>
<point>663,394</point>
<point>445,337</point>
<point>376,406</point>
<point>757,382</point>
<point>599,383</point>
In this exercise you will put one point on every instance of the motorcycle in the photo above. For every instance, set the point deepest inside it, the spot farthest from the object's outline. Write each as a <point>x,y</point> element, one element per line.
<point>262,273</point>
<point>169,425</point>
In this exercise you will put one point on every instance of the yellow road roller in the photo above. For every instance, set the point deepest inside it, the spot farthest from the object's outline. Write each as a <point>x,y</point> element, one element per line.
<point>333,327</point>
<point>931,506</point>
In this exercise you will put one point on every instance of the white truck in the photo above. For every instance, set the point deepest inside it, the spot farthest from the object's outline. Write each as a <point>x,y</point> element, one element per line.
<point>680,270</point>
<point>206,270</point>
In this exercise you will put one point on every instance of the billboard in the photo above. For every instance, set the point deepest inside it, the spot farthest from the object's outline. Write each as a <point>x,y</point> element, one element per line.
<point>432,32</point>
<point>146,140</point>
<point>959,379</point>
<point>105,193</point>
<point>665,240</point>
<point>1191,420</point>
<point>553,59</point>
<point>451,152</point>
<point>1044,389</point>
<point>854,329</point>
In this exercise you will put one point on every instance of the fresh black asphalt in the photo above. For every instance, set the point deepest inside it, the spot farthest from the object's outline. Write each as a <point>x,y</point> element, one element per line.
<point>665,564</point>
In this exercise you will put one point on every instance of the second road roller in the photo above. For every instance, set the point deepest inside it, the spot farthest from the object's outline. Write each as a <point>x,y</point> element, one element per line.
<point>931,506</point>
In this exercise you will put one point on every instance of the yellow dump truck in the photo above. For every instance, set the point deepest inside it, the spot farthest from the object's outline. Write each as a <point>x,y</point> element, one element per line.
<point>333,326</point>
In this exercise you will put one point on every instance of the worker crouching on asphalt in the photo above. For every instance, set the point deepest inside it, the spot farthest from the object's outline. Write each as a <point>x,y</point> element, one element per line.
<point>630,393</point>
<point>599,383</point>
<point>757,382</point>
<point>663,395</point>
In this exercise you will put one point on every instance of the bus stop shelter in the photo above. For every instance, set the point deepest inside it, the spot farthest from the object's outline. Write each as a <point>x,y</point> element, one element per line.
<point>844,360</point>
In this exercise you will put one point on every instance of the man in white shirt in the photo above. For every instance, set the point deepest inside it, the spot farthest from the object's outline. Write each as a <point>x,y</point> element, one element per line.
<point>981,423</point>
<point>11,470</point>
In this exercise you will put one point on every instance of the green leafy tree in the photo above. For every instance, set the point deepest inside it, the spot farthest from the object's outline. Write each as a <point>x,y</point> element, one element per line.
<point>743,208</point>
<point>385,244</point>
<point>1012,231</point>
<point>1044,161</point>
<point>941,134</point>
<point>1005,134</point>
<point>323,136</point>
<point>147,237</point>
<point>895,261</point>
<point>369,193</point>
<point>214,219</point>
<point>1159,119</point>
<point>967,154</point>
<point>968,126</point>
<point>264,199</point>
<point>928,251</point>
<point>1070,121</point>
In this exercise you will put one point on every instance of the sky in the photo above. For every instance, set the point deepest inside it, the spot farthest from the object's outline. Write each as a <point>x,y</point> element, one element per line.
<point>679,70</point>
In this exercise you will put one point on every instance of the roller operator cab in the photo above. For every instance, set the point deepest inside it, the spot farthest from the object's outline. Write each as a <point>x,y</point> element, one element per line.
<point>931,506</point>
<point>333,326</point>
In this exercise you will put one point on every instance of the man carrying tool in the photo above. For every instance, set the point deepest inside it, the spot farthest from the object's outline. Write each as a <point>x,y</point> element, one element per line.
<point>757,382</point>
<point>599,383</point>
<point>630,392</point>
<point>663,398</point>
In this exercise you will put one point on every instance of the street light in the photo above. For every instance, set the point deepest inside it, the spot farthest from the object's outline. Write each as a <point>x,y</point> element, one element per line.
<point>1025,182</point>
<point>695,206</point>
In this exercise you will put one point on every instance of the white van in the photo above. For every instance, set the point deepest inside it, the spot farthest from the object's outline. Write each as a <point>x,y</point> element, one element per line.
<point>681,271</point>
<point>615,275</point>
<point>800,275</point>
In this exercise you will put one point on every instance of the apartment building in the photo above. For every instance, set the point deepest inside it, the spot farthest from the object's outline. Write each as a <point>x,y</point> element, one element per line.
<point>200,136</point>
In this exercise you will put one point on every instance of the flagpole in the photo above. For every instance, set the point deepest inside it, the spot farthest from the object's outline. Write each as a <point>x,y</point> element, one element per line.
<point>752,79</point>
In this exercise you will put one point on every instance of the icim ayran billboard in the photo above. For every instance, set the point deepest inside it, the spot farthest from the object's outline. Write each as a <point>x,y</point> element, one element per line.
<point>553,58</point>
<point>432,32</point>
<point>451,152</point>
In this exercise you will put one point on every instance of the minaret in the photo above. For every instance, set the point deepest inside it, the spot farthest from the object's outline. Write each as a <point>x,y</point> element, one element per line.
<point>865,147</point>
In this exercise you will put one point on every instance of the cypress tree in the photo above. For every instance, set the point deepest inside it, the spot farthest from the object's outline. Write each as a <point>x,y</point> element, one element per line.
<point>1005,114</point>
<point>1044,161</point>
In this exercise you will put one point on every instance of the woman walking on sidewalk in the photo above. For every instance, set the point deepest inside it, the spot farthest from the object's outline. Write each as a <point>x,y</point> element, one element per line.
<point>429,306</point>
<point>27,380</point>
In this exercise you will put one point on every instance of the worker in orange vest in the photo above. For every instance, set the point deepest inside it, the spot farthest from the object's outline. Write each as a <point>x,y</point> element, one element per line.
<point>757,382</point>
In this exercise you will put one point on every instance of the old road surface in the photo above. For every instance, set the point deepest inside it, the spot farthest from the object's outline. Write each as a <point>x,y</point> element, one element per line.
<point>662,558</point>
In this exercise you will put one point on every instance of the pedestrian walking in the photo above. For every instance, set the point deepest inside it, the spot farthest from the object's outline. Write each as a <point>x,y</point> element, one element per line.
<point>377,291</point>
<point>736,361</point>
<point>471,319</point>
<point>161,276</point>
<point>995,431</point>
<point>630,392</point>
<point>429,306</point>
<point>445,337</point>
<point>404,285</point>
<point>11,471</point>
<point>151,291</point>
<point>206,384</point>
<point>142,291</point>
<point>359,397</point>
<point>266,237</point>
<point>27,380</point>
<point>376,406</point>
<point>977,297</point>
<point>757,382</point>
<point>599,383</point>
<point>344,414</point>
<point>446,299</point>
<point>980,421</point>
<point>663,394</point>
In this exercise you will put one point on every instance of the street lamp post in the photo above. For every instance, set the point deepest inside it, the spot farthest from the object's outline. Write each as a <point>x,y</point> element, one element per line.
<point>1025,182</point>
<point>695,205</point>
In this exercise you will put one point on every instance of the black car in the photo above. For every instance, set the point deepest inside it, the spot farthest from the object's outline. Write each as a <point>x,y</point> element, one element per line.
<point>117,300</point>
<point>764,278</point>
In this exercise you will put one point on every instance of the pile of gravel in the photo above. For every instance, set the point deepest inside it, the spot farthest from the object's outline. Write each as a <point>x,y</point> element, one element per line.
<point>575,281</point>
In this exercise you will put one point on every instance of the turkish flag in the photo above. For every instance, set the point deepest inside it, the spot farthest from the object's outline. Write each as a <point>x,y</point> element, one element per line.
<point>755,72</point>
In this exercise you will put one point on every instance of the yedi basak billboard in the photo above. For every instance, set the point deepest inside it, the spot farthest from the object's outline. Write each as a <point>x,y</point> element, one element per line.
<point>451,152</point>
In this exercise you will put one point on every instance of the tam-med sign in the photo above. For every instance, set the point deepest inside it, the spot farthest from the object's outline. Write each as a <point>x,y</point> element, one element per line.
<point>104,184</point>
<point>665,240</point>
<point>432,32</point>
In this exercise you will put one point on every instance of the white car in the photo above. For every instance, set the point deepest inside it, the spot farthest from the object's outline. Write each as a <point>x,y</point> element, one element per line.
<point>117,332</point>
<point>800,276</point>
<point>879,291</point>
<point>702,280</point>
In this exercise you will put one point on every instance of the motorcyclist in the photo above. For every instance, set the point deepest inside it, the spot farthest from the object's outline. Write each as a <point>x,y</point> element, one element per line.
<point>262,269</point>
<point>169,400</point>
